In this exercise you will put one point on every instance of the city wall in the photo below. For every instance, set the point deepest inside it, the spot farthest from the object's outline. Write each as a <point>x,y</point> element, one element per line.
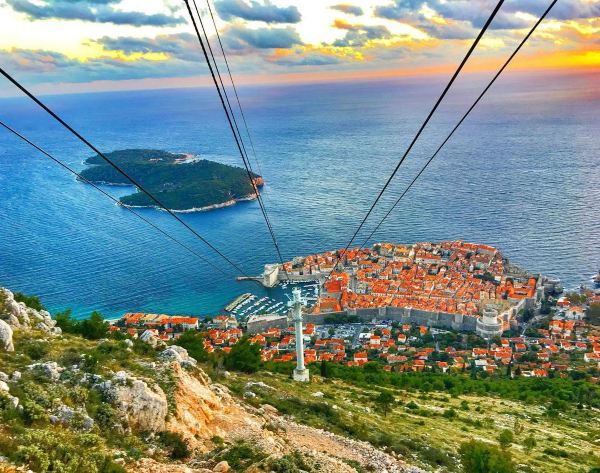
<point>404,316</point>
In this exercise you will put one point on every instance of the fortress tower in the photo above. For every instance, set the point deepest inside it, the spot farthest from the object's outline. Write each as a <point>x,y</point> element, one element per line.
<point>271,275</point>
<point>489,325</point>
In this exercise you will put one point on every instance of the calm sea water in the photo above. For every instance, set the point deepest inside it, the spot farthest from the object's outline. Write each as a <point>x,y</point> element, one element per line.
<point>523,174</point>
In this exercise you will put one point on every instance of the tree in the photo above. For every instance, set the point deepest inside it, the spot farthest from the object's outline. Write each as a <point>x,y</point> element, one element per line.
<point>505,438</point>
<point>546,307</point>
<point>529,442</point>
<point>593,313</point>
<point>193,342</point>
<point>384,401</point>
<point>244,356</point>
<point>473,370</point>
<point>65,322</point>
<point>518,427</point>
<point>324,369</point>
<point>93,328</point>
<point>30,301</point>
<point>480,457</point>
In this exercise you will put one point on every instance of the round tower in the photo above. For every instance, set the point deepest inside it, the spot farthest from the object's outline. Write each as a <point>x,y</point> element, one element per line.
<point>489,325</point>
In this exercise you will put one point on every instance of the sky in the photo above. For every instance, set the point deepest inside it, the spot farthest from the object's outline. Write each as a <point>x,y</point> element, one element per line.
<point>61,46</point>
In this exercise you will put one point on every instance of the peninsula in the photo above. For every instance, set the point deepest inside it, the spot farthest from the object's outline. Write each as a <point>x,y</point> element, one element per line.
<point>451,284</point>
<point>182,182</point>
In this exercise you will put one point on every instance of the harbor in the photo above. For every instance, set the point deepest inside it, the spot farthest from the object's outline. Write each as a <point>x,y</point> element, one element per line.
<point>274,303</point>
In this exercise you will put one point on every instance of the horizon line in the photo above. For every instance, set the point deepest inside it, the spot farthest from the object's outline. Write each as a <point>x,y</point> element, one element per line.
<point>201,82</point>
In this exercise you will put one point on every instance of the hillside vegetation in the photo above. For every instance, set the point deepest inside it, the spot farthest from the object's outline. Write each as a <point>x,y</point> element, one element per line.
<point>428,427</point>
<point>74,398</point>
<point>179,183</point>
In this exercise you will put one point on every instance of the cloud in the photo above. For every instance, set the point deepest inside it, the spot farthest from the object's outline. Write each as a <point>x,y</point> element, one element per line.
<point>255,11</point>
<point>182,46</point>
<point>358,35</point>
<point>309,55</point>
<point>241,38</point>
<point>477,11</point>
<point>563,10</point>
<point>96,11</point>
<point>308,59</point>
<point>398,9</point>
<point>348,9</point>
<point>449,30</point>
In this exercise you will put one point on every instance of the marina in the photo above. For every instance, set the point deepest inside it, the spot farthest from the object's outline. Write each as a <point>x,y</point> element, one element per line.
<point>275,303</point>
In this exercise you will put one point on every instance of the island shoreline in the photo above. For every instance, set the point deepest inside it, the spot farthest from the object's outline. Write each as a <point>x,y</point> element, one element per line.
<point>222,205</point>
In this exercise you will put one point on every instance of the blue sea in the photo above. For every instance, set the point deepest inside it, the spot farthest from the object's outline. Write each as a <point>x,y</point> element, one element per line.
<point>522,174</point>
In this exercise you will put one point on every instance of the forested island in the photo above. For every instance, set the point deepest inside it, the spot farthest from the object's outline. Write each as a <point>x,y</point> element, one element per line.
<point>181,182</point>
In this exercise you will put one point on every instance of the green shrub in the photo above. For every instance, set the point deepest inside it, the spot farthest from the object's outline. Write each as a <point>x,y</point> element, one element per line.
<point>106,417</point>
<point>241,455</point>
<point>505,438</point>
<point>449,413</point>
<point>92,328</point>
<point>529,443</point>
<point>32,413</point>
<point>244,356</point>
<point>480,457</point>
<point>291,463</point>
<point>57,450</point>
<point>174,443</point>
<point>412,405</point>
<point>556,452</point>
<point>35,350</point>
<point>193,342</point>
<point>30,301</point>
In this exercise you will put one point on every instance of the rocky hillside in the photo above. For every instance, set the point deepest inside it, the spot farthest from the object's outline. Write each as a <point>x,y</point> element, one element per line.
<point>70,404</point>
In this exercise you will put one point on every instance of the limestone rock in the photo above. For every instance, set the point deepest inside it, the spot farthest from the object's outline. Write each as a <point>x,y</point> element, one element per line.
<point>144,407</point>
<point>50,369</point>
<point>148,465</point>
<point>151,338</point>
<point>205,410</point>
<point>268,409</point>
<point>179,355</point>
<point>6,337</point>
<point>13,401</point>
<point>74,418</point>
<point>4,387</point>
<point>257,384</point>
<point>222,467</point>
<point>19,316</point>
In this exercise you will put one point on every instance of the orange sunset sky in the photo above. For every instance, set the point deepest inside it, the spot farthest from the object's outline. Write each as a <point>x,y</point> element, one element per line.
<point>59,46</point>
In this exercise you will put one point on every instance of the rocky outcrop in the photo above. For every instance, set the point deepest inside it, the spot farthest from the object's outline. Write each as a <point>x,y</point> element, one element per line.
<point>143,407</point>
<point>151,338</point>
<point>205,410</point>
<point>6,337</point>
<point>179,355</point>
<point>77,419</point>
<point>148,465</point>
<point>18,316</point>
<point>49,369</point>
